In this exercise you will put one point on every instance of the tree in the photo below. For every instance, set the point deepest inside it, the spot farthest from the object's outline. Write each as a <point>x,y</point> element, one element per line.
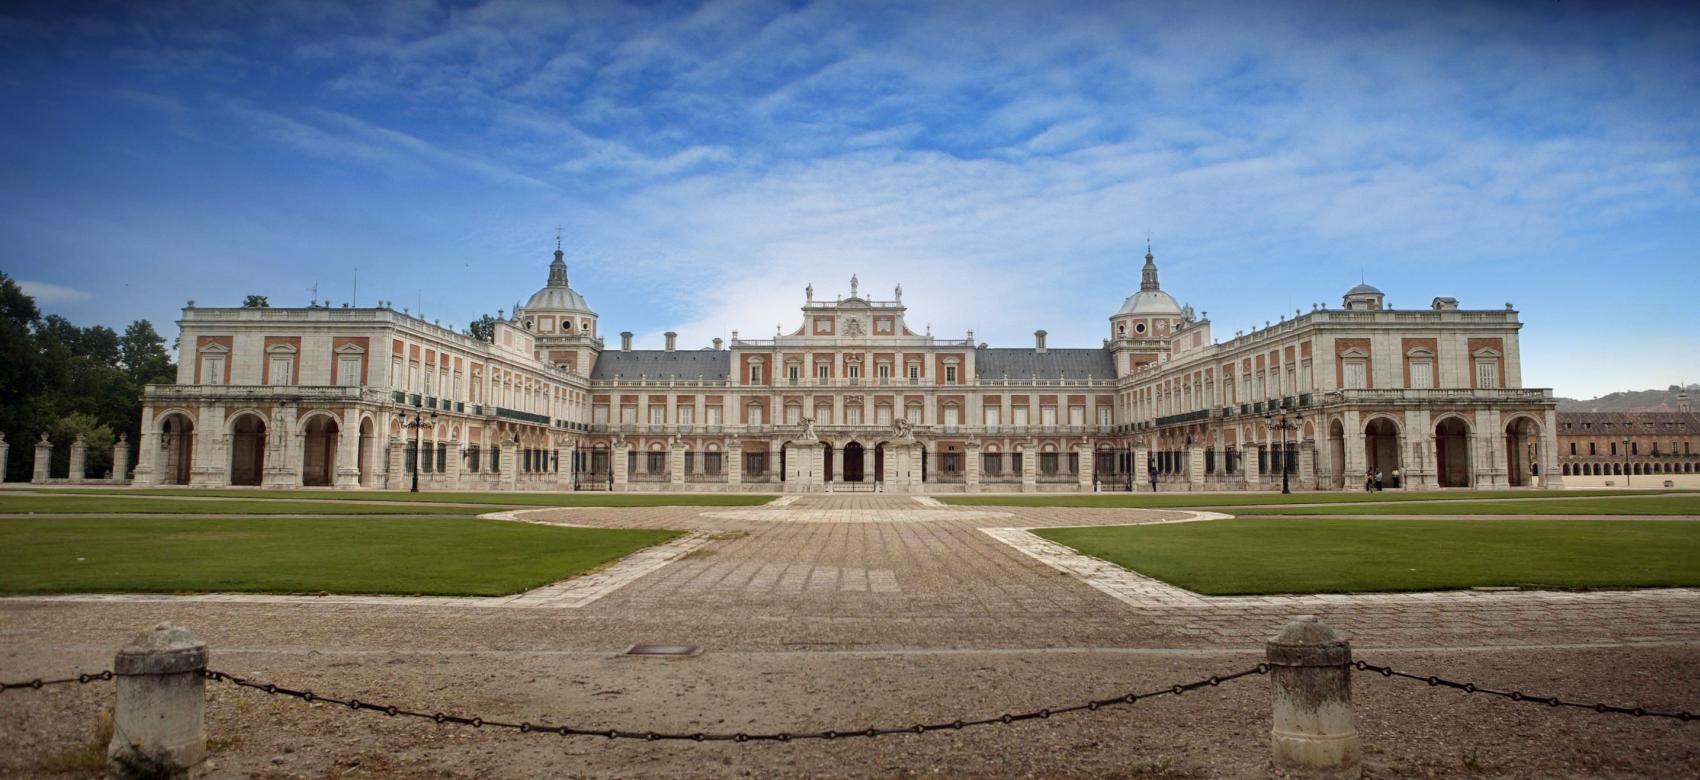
<point>484,328</point>
<point>142,355</point>
<point>256,302</point>
<point>22,373</point>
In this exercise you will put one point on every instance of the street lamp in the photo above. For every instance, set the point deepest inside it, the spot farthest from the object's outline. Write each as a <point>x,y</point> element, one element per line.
<point>1626,461</point>
<point>419,421</point>
<point>1283,423</point>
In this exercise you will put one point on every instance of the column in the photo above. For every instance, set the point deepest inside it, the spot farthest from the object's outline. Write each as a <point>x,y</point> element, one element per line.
<point>79,460</point>
<point>283,450</point>
<point>43,460</point>
<point>971,469</point>
<point>1552,475</point>
<point>1141,468</point>
<point>837,459</point>
<point>120,459</point>
<point>676,464</point>
<point>509,479</point>
<point>1489,467</point>
<point>1323,471</point>
<point>1307,465</point>
<point>348,450</point>
<point>1083,456</point>
<point>209,466</point>
<point>618,455</point>
<point>1253,470</point>
<point>734,465</point>
<point>1195,467</point>
<point>1030,467</point>
<point>452,467</point>
<point>146,450</point>
<point>1356,463</point>
<point>395,477</point>
<point>1416,464</point>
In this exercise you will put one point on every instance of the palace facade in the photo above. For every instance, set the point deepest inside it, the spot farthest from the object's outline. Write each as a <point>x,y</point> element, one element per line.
<point>853,398</point>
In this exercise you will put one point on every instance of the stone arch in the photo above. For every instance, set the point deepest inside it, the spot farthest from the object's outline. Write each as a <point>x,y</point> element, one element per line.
<point>855,462</point>
<point>176,445</point>
<point>247,430</point>
<point>368,445</point>
<point>320,432</point>
<point>1382,445</point>
<point>1452,464</point>
<point>1336,452</point>
<point>1522,450</point>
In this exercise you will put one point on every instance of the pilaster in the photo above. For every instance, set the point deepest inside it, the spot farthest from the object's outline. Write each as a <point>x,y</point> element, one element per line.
<point>43,461</point>
<point>1195,467</point>
<point>971,469</point>
<point>146,450</point>
<point>120,460</point>
<point>1030,467</point>
<point>1141,468</point>
<point>676,464</point>
<point>568,473</point>
<point>622,450</point>
<point>734,463</point>
<point>283,450</point>
<point>348,450</point>
<point>209,465</point>
<point>1083,457</point>
<point>1307,464</point>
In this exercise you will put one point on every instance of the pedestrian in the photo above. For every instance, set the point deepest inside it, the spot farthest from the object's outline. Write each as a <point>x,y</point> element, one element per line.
<point>1378,480</point>
<point>1153,480</point>
<point>1369,480</point>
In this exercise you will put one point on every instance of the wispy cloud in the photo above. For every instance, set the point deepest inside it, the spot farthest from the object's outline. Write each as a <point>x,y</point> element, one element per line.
<point>49,293</point>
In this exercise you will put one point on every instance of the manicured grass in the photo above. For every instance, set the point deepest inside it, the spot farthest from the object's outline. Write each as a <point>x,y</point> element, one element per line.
<point>13,503</point>
<point>1673,505</point>
<point>1163,500</point>
<point>1242,557</point>
<point>497,498</point>
<point>452,556</point>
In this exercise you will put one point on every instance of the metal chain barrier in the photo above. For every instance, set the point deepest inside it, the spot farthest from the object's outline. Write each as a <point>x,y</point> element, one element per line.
<point>779,736</point>
<point>38,683</point>
<point>1550,701</point>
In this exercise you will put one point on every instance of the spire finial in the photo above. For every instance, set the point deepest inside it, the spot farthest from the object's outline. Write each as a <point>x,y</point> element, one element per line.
<point>557,237</point>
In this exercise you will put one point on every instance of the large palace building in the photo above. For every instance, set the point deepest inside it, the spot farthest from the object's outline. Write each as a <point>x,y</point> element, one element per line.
<point>851,399</point>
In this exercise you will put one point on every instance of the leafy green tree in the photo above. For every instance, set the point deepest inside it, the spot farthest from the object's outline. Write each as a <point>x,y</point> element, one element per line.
<point>256,302</point>
<point>484,328</point>
<point>142,355</point>
<point>23,376</point>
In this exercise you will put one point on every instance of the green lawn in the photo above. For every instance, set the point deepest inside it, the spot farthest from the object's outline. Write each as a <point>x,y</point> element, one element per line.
<point>1242,557</point>
<point>450,556</point>
<point>12,503</point>
<point>1688,504</point>
<point>497,498</point>
<point>1163,500</point>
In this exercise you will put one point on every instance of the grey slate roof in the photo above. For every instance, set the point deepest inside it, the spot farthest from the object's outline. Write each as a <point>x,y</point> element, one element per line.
<point>661,364</point>
<point>991,363</point>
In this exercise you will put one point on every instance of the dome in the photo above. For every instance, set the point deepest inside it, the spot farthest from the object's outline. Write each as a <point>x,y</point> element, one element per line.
<point>553,299</point>
<point>1150,302</point>
<point>1363,289</point>
<point>557,296</point>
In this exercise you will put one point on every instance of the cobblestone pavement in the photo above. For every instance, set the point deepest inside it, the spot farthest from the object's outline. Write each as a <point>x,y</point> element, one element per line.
<point>903,610</point>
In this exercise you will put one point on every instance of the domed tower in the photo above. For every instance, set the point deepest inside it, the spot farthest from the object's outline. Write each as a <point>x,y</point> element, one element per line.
<point>561,320</point>
<point>1364,298</point>
<point>1148,319</point>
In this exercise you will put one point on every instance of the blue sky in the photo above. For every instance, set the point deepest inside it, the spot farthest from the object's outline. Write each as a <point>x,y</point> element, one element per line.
<point>1003,162</point>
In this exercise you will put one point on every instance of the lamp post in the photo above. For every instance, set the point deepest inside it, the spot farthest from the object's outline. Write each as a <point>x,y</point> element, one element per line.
<point>419,421</point>
<point>1283,423</point>
<point>1626,482</point>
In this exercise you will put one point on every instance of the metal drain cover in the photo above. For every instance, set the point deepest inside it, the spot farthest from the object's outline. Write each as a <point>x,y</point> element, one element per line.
<point>652,649</point>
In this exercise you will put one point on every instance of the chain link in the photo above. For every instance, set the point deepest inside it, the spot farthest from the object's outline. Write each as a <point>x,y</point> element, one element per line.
<point>779,736</point>
<point>1550,701</point>
<point>38,683</point>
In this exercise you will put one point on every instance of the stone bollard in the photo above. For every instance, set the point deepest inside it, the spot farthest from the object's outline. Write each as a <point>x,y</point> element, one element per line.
<point>1314,734</point>
<point>43,461</point>
<point>158,728</point>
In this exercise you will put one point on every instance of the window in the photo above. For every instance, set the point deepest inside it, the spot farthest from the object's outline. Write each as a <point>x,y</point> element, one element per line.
<point>952,416</point>
<point>883,371</point>
<point>1355,376</point>
<point>1422,374</point>
<point>755,415</point>
<point>823,415</point>
<point>1593,449</point>
<point>823,373</point>
<point>713,413</point>
<point>657,414</point>
<point>755,373</point>
<point>1018,415</point>
<point>1104,416</point>
<point>793,414</point>
<point>1573,448</point>
<point>992,463</point>
<point>628,414</point>
<point>853,415</point>
<point>950,375</point>
<point>854,371</point>
<point>882,415</point>
<point>1077,415</point>
<point>280,367</point>
<point>914,372</point>
<point>687,415</point>
<point>212,369</point>
<point>793,372</point>
<point>994,415</point>
<point>1487,373</point>
<point>348,371</point>
<point>599,414</point>
<point>913,414</point>
<point>1047,415</point>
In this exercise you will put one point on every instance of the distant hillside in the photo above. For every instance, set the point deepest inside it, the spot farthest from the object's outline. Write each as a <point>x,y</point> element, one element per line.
<point>1631,401</point>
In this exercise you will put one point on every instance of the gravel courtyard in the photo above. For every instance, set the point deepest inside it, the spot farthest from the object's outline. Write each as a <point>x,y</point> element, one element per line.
<point>847,612</point>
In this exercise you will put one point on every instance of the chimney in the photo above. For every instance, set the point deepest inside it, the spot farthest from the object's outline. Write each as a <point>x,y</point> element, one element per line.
<point>672,340</point>
<point>1682,402</point>
<point>717,343</point>
<point>1039,341</point>
<point>625,341</point>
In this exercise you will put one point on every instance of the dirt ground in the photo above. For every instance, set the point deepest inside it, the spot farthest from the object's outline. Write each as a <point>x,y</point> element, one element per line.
<point>965,627</point>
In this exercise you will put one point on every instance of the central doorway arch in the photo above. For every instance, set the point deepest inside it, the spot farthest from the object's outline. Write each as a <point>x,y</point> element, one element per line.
<point>853,464</point>
<point>1381,450</point>
<point>318,451</point>
<point>247,450</point>
<point>1452,453</point>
